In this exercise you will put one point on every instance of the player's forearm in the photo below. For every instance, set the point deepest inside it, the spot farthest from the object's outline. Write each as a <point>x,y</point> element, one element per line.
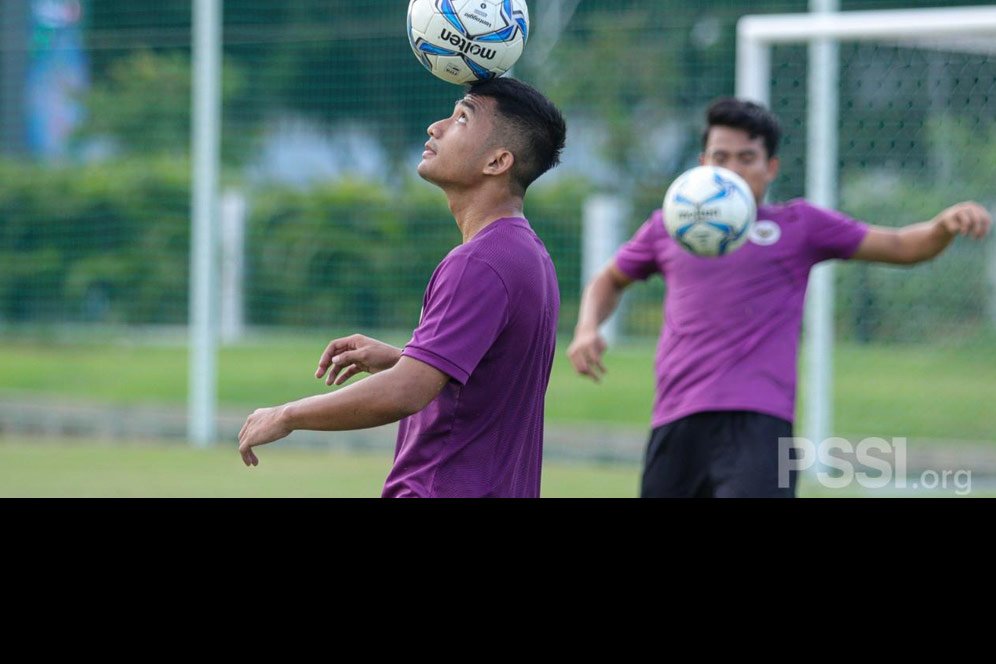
<point>923,241</point>
<point>374,401</point>
<point>599,300</point>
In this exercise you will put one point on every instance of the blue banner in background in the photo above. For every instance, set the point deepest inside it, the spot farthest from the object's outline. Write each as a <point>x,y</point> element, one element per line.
<point>57,76</point>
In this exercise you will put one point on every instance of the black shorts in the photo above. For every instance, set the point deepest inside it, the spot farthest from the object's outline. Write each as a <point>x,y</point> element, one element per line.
<point>722,454</point>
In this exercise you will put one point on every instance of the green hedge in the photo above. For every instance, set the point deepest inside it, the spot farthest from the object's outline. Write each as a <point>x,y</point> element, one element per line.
<point>352,252</point>
<point>103,242</point>
<point>111,244</point>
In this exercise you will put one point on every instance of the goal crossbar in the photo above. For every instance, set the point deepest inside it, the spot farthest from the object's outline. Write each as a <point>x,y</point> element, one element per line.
<point>859,25</point>
<point>950,27</point>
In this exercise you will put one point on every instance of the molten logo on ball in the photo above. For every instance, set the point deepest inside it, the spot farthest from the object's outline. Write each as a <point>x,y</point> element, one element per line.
<point>462,41</point>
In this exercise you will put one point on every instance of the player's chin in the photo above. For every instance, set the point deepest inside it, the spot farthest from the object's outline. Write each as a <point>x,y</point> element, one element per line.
<point>425,171</point>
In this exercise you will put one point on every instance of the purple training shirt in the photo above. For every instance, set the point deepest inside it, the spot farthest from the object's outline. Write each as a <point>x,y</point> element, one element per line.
<point>489,321</point>
<point>732,324</point>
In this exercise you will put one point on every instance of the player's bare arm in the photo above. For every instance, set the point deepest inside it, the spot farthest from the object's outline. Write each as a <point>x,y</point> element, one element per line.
<point>386,397</point>
<point>921,242</point>
<point>347,356</point>
<point>600,299</point>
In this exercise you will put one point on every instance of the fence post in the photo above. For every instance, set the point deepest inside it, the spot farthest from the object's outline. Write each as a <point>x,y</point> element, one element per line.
<point>233,233</point>
<point>603,219</point>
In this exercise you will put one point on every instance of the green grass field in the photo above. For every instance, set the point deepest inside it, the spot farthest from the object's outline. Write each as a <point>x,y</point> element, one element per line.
<point>929,392</point>
<point>937,394</point>
<point>85,469</point>
<point>41,468</point>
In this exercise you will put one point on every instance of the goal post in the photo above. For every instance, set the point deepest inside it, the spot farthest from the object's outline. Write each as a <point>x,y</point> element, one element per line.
<point>204,256</point>
<point>959,29</point>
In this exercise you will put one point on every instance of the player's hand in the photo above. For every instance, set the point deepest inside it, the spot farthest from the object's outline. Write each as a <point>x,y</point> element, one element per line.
<point>585,353</point>
<point>265,425</point>
<point>344,358</point>
<point>970,219</point>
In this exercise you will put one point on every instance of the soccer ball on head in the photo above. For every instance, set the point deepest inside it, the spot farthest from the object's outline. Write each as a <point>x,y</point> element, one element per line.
<point>462,41</point>
<point>709,211</point>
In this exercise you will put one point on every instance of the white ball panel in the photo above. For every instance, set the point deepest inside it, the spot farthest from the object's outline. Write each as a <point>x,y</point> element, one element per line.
<point>419,12</point>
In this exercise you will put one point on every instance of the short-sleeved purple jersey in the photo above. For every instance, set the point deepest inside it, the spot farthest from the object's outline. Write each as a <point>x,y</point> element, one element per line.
<point>489,321</point>
<point>732,324</point>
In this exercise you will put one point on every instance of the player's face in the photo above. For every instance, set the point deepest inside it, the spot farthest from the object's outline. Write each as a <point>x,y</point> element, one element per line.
<point>457,149</point>
<point>735,150</point>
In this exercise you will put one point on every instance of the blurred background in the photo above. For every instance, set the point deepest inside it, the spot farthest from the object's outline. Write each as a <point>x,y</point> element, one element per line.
<point>326,230</point>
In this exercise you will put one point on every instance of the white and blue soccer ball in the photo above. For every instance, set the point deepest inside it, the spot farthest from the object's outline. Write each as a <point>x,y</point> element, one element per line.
<point>463,41</point>
<point>709,211</point>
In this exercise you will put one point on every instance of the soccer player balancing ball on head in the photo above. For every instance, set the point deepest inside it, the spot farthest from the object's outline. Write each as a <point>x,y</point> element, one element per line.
<point>469,387</point>
<point>726,359</point>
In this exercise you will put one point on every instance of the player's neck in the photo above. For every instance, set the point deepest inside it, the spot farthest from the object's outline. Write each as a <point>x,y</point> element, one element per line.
<point>476,210</point>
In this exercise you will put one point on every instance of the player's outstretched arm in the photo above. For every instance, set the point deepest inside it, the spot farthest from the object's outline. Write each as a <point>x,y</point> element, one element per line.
<point>599,300</point>
<point>921,242</point>
<point>355,353</point>
<point>386,397</point>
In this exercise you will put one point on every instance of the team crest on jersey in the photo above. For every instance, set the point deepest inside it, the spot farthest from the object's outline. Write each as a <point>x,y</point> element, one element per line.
<point>765,232</point>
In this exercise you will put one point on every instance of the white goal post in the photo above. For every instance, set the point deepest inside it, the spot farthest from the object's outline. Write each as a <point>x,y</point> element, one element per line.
<point>961,29</point>
<point>205,302</point>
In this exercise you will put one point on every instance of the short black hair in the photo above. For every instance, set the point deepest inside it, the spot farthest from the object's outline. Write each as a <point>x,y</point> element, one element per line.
<point>534,128</point>
<point>753,118</point>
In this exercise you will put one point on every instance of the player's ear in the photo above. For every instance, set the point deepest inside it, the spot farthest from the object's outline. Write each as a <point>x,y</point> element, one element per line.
<point>702,159</point>
<point>500,162</point>
<point>773,165</point>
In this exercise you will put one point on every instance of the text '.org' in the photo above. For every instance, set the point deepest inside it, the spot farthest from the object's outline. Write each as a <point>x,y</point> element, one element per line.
<point>872,463</point>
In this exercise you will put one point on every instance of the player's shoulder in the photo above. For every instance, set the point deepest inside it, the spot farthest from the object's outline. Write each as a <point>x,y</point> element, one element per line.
<point>466,267</point>
<point>510,249</point>
<point>653,226</point>
<point>794,210</point>
<point>502,231</point>
<point>792,207</point>
<point>807,211</point>
<point>505,240</point>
